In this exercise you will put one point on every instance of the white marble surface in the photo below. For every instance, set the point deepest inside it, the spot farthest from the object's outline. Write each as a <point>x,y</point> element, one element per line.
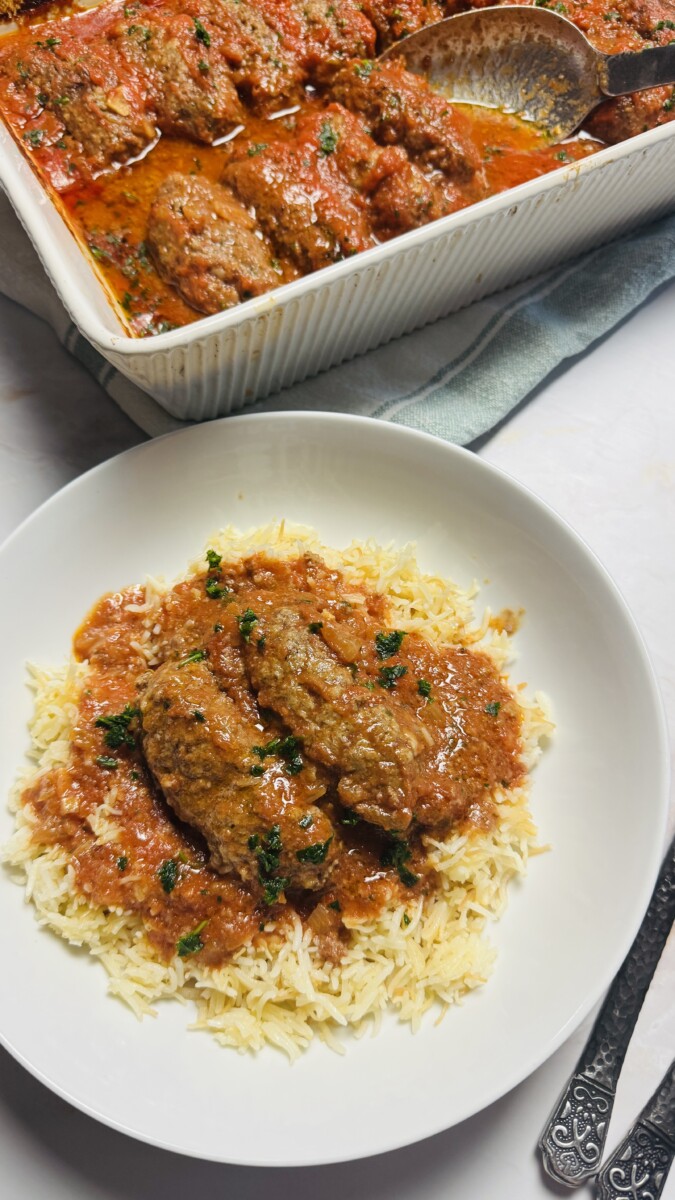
<point>598,443</point>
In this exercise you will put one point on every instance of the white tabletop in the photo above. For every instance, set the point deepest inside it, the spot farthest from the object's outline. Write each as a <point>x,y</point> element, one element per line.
<point>598,443</point>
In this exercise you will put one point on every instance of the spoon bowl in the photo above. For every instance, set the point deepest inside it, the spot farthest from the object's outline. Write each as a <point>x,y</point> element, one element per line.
<point>529,61</point>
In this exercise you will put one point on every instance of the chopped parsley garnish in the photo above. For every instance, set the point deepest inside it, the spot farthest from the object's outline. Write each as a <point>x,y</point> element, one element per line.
<point>246,621</point>
<point>110,764</point>
<point>307,821</point>
<point>118,733</point>
<point>664,25</point>
<point>214,589</point>
<point>268,857</point>
<point>43,98</point>
<point>406,919</point>
<point>388,644</point>
<point>193,656</point>
<point>364,68</point>
<point>563,156</point>
<point>122,863</point>
<point>287,748</point>
<point>134,776</point>
<point>328,138</point>
<point>34,137</point>
<point>218,628</point>
<point>199,716</point>
<point>191,943</point>
<point>349,817</point>
<point>256,148</point>
<point>387,676</point>
<point>315,626</point>
<point>202,35</point>
<point>257,769</point>
<point>261,643</point>
<point>396,855</point>
<point>203,67</point>
<point>214,560</point>
<point>492,708</point>
<point>168,875</point>
<point>424,688</point>
<point>314,854</point>
<point>336,905</point>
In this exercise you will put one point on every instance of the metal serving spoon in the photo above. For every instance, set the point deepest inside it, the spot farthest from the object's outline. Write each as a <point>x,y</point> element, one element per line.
<point>528,61</point>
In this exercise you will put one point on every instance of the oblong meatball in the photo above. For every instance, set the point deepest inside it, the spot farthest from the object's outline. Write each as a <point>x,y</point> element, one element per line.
<point>372,743</point>
<point>258,820</point>
<point>206,244</point>
<point>400,108</point>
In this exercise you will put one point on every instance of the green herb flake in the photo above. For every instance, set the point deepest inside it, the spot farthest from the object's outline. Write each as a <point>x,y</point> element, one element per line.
<point>214,560</point>
<point>268,857</point>
<point>214,589</point>
<point>349,818</point>
<point>191,943</point>
<point>664,25</point>
<point>110,764</point>
<point>396,855</point>
<point>193,656</point>
<point>199,716</point>
<point>315,626</point>
<point>218,628</point>
<point>287,748</point>
<point>387,676</point>
<point>117,727</point>
<point>122,863</point>
<point>314,854</point>
<point>257,769</point>
<point>388,644</point>
<point>492,708</point>
<point>256,148</point>
<point>328,138</point>
<point>203,67</point>
<point>34,137</point>
<point>202,35</point>
<point>335,904</point>
<point>134,776</point>
<point>307,821</point>
<point>424,688</point>
<point>363,69</point>
<point>246,621</point>
<point>168,875</point>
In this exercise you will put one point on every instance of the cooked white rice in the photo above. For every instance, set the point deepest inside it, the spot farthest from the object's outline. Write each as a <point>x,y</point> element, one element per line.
<point>283,992</point>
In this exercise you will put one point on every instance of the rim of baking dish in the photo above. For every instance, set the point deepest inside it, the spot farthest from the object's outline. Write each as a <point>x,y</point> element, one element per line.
<point>28,196</point>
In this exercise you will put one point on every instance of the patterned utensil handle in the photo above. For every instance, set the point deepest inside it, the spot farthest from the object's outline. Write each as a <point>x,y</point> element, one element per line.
<point>639,1167</point>
<point>573,1140</point>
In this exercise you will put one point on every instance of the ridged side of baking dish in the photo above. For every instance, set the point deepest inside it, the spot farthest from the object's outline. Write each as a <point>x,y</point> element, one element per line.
<point>228,361</point>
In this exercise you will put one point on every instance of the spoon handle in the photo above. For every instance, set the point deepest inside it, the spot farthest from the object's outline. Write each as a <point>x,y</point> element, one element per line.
<point>631,72</point>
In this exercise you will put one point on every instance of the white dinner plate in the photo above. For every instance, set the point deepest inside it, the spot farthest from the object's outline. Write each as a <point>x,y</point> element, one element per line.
<point>599,795</point>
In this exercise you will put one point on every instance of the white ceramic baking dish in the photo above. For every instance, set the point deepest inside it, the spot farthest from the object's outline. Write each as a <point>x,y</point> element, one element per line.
<point>225,362</point>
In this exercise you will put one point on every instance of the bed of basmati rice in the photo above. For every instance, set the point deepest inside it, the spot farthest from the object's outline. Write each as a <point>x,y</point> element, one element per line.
<point>284,993</point>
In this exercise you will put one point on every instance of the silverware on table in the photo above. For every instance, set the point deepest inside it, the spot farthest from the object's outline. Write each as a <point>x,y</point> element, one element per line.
<point>573,1139</point>
<point>640,1164</point>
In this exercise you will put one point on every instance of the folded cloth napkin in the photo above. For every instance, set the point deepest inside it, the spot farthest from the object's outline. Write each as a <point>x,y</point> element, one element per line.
<point>457,378</point>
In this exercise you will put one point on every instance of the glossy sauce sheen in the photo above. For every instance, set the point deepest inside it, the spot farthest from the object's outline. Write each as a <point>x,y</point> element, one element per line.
<point>108,209</point>
<point>470,716</point>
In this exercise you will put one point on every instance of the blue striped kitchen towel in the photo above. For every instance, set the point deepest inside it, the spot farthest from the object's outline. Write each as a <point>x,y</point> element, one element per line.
<point>457,378</point>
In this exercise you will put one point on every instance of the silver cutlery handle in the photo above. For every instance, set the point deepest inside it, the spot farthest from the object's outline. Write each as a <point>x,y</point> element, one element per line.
<point>640,1165</point>
<point>619,74</point>
<point>573,1139</point>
